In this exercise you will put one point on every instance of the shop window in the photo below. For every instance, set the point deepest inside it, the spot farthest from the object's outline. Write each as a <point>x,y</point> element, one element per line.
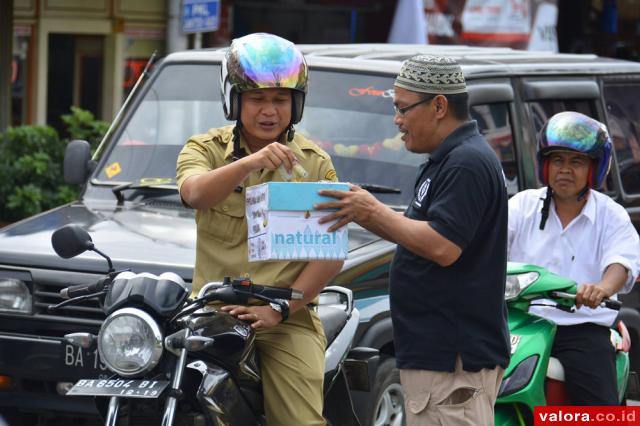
<point>19,75</point>
<point>140,45</point>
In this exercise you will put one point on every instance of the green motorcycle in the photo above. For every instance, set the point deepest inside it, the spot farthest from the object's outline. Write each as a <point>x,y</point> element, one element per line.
<point>534,378</point>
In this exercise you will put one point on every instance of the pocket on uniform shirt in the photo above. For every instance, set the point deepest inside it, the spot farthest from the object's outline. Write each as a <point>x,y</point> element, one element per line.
<point>226,223</point>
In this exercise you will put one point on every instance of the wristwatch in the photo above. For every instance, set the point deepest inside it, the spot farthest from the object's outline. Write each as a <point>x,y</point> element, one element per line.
<point>282,307</point>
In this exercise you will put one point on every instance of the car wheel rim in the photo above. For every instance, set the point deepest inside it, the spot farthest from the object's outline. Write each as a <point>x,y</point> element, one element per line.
<point>389,410</point>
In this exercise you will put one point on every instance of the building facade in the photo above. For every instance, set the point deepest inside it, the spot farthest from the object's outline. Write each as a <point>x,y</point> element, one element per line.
<point>80,52</point>
<point>89,53</point>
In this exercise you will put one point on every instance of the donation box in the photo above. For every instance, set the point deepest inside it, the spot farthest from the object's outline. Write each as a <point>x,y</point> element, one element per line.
<point>282,224</point>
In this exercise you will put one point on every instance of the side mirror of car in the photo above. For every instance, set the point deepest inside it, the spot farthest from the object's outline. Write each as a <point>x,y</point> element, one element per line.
<point>70,241</point>
<point>77,162</point>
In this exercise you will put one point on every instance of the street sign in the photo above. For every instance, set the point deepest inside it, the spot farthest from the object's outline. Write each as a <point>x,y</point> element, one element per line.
<point>200,16</point>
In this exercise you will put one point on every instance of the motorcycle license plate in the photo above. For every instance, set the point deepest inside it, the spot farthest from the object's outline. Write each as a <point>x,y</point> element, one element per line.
<point>84,363</point>
<point>119,387</point>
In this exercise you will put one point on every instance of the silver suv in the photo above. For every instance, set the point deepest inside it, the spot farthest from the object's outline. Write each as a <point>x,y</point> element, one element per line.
<point>131,206</point>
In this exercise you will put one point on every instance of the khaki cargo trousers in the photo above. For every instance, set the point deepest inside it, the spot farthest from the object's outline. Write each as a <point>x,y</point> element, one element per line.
<point>291,357</point>
<point>440,398</point>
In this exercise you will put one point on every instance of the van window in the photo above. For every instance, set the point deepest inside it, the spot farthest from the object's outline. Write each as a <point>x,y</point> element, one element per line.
<point>623,121</point>
<point>350,116</point>
<point>541,111</point>
<point>183,100</point>
<point>495,126</point>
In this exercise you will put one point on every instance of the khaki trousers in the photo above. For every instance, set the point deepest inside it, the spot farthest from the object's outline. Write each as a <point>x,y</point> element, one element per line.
<point>440,398</point>
<point>291,357</point>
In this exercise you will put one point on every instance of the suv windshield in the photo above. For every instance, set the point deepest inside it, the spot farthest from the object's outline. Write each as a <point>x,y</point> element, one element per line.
<point>349,115</point>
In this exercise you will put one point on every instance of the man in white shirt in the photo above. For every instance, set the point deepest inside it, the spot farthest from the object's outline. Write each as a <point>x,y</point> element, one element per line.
<point>579,233</point>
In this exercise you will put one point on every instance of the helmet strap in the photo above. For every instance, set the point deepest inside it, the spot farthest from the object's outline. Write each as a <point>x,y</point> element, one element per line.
<point>583,194</point>
<point>546,203</point>
<point>290,132</point>
<point>545,170</point>
<point>238,152</point>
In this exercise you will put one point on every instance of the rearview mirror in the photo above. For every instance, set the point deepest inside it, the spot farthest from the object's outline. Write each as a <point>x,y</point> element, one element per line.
<point>70,241</point>
<point>77,162</point>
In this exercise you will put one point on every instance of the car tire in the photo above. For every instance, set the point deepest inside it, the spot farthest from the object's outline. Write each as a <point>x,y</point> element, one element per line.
<point>387,407</point>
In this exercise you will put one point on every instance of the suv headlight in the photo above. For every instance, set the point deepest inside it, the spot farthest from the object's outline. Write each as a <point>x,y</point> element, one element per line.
<point>517,283</point>
<point>15,296</point>
<point>130,342</point>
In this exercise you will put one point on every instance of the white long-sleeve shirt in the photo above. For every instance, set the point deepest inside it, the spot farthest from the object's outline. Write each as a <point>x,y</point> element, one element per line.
<point>601,235</point>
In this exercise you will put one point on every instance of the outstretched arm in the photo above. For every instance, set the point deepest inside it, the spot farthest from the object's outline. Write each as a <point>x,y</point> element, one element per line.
<point>360,206</point>
<point>612,281</point>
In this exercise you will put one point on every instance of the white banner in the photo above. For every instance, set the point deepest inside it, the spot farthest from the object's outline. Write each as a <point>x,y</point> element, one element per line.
<point>409,23</point>
<point>543,33</point>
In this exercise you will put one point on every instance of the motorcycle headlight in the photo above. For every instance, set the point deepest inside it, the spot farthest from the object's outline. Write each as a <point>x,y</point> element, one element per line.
<point>15,296</point>
<point>518,282</point>
<point>130,342</point>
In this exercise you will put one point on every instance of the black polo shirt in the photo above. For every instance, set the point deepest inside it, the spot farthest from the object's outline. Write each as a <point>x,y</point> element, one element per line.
<point>440,312</point>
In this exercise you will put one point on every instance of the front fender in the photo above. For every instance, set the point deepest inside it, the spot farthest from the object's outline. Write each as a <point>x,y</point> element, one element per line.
<point>377,335</point>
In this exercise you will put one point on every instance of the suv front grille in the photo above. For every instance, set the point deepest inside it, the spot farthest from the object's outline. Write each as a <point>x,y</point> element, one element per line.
<point>46,294</point>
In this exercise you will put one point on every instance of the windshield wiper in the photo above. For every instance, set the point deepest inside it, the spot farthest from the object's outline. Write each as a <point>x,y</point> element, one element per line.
<point>378,189</point>
<point>117,190</point>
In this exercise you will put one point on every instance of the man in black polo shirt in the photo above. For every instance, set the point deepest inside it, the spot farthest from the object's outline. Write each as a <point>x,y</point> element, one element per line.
<point>448,274</point>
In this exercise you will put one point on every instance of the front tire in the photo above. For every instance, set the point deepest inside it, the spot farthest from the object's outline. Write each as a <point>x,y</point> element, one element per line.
<point>387,408</point>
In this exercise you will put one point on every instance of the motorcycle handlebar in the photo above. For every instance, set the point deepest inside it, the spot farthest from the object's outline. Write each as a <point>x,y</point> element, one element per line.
<point>612,304</point>
<point>82,289</point>
<point>607,303</point>
<point>277,292</point>
<point>239,290</point>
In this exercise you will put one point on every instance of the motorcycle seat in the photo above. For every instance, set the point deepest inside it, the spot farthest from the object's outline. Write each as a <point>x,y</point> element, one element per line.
<point>333,319</point>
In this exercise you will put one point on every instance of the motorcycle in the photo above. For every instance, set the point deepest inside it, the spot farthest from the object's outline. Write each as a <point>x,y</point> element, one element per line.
<point>177,360</point>
<point>533,377</point>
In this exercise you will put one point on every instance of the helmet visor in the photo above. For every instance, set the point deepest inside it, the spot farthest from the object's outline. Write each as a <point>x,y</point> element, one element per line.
<point>575,132</point>
<point>260,61</point>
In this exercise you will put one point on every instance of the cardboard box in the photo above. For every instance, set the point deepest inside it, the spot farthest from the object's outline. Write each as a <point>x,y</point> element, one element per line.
<point>283,225</point>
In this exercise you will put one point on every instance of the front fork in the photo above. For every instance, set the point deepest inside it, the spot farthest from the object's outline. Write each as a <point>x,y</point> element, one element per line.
<point>171,401</point>
<point>112,413</point>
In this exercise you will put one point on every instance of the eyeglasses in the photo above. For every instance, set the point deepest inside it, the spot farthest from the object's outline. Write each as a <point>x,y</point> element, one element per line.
<point>402,111</point>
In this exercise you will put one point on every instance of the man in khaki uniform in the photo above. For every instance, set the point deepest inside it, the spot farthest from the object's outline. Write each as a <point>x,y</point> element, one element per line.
<point>264,81</point>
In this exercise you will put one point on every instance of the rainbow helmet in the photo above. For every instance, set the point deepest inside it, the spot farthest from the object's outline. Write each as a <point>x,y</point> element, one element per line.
<point>261,61</point>
<point>573,131</point>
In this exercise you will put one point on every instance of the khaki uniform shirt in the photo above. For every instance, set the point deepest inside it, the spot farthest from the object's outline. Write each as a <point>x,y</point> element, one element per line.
<point>221,247</point>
